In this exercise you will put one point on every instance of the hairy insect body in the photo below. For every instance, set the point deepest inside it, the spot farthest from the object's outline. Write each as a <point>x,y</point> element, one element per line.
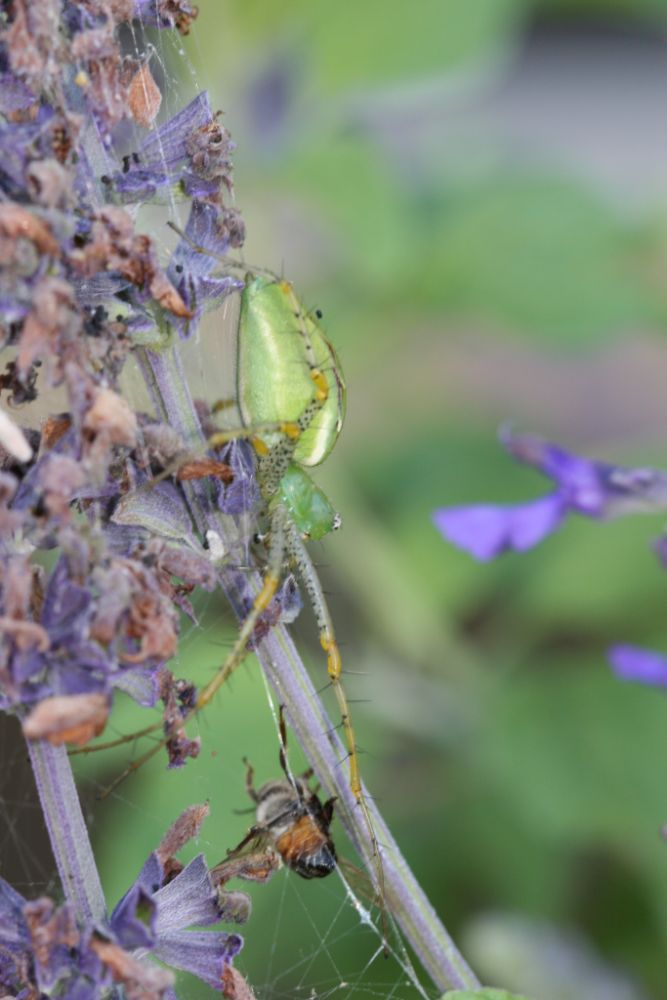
<point>298,824</point>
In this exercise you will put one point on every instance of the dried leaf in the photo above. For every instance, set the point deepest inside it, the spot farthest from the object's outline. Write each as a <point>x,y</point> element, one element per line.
<point>111,415</point>
<point>198,468</point>
<point>234,986</point>
<point>140,979</point>
<point>74,719</point>
<point>144,97</point>
<point>183,829</point>
<point>18,223</point>
<point>164,292</point>
<point>25,634</point>
<point>54,428</point>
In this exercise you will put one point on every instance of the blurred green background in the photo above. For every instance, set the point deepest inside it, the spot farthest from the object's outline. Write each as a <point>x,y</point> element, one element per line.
<point>474,193</point>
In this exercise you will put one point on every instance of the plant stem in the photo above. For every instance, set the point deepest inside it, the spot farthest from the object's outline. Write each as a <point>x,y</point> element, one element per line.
<point>289,679</point>
<point>67,830</point>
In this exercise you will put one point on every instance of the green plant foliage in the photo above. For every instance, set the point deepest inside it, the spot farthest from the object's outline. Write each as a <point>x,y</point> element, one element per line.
<point>542,256</point>
<point>486,993</point>
<point>351,45</point>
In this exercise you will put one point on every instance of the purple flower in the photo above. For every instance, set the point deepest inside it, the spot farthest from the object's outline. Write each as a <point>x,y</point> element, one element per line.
<point>486,530</point>
<point>242,493</point>
<point>193,273</point>
<point>156,912</point>
<point>583,486</point>
<point>45,952</point>
<point>632,663</point>
<point>163,159</point>
<point>81,288</point>
<point>42,950</point>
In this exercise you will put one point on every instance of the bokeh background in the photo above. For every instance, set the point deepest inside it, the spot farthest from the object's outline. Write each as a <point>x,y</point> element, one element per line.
<point>475,194</point>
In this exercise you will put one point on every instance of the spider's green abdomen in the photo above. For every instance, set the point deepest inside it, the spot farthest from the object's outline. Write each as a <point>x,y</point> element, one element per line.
<point>279,344</point>
<point>308,505</point>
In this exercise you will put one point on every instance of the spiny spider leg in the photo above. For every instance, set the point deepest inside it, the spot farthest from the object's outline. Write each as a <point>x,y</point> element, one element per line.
<point>303,564</point>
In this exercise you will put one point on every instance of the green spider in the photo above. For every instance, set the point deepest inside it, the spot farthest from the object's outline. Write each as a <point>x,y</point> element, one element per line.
<point>291,396</point>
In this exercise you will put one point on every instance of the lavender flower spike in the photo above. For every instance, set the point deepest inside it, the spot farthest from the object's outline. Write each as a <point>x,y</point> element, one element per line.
<point>632,663</point>
<point>583,486</point>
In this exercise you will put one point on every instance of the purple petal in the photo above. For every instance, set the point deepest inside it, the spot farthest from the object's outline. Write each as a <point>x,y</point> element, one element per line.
<point>204,230</point>
<point>148,881</point>
<point>210,229</point>
<point>14,94</point>
<point>486,530</point>
<point>188,899</point>
<point>140,683</point>
<point>163,156</point>
<point>594,489</point>
<point>13,928</point>
<point>242,493</point>
<point>203,953</point>
<point>631,663</point>
<point>150,877</point>
<point>82,989</point>
<point>161,509</point>
<point>66,606</point>
<point>133,921</point>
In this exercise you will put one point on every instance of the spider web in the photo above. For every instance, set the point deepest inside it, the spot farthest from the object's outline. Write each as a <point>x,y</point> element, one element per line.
<point>313,939</point>
<point>305,939</point>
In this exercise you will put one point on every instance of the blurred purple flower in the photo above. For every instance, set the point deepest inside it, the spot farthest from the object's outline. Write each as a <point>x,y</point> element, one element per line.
<point>486,530</point>
<point>583,486</point>
<point>44,952</point>
<point>632,663</point>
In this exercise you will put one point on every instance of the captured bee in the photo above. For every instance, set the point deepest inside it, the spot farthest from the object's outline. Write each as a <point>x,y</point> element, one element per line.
<point>297,824</point>
<point>291,820</point>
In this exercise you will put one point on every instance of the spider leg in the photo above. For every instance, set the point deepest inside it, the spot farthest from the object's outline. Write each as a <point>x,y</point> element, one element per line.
<point>300,558</point>
<point>282,753</point>
<point>260,603</point>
